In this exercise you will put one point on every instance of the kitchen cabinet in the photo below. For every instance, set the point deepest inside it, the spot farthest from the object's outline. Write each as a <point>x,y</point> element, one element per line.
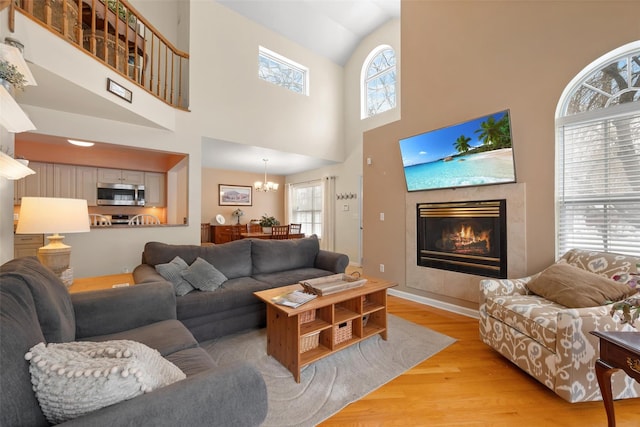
<point>154,189</point>
<point>27,244</point>
<point>87,184</point>
<point>64,181</point>
<point>120,176</point>
<point>38,185</point>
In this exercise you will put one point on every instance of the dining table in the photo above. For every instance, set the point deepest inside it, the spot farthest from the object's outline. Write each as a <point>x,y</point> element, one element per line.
<point>261,235</point>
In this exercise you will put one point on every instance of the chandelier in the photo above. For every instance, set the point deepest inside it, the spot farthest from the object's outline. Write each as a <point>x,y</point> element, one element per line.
<point>265,185</point>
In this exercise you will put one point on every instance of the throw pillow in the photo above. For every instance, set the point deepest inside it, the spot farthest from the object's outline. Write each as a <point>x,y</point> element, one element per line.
<point>75,378</point>
<point>574,287</point>
<point>171,271</point>
<point>204,276</point>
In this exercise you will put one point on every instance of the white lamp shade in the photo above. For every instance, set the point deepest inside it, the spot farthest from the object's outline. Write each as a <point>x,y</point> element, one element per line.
<point>11,168</point>
<point>44,215</point>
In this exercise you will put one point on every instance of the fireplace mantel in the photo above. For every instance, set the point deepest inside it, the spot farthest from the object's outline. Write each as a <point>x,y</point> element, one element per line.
<point>452,286</point>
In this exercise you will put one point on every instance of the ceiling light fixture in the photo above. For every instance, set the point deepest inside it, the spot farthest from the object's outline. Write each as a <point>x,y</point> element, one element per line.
<point>81,143</point>
<point>265,186</point>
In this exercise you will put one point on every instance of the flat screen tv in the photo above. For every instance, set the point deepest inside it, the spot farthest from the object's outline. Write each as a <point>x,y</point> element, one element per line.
<point>476,152</point>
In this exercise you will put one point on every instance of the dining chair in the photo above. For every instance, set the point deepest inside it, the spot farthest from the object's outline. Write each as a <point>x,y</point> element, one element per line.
<point>280,232</point>
<point>144,219</point>
<point>254,228</point>
<point>295,228</point>
<point>98,220</point>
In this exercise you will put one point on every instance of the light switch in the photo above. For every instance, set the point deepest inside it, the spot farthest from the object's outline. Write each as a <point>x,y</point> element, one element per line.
<point>381,216</point>
<point>345,207</point>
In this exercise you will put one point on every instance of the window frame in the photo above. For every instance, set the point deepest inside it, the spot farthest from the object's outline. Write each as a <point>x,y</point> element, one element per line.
<point>284,62</point>
<point>365,79</point>
<point>315,213</point>
<point>572,227</point>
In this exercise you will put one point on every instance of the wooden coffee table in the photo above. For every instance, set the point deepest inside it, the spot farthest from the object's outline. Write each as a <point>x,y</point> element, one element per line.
<point>339,320</point>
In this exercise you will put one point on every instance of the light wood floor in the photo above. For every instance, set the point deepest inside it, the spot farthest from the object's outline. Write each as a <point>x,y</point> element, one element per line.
<point>468,384</point>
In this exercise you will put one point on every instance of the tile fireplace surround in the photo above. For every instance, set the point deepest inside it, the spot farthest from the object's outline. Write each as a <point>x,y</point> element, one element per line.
<point>462,286</point>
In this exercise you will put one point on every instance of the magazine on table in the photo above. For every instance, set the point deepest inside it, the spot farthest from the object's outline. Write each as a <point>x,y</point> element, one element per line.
<point>293,299</point>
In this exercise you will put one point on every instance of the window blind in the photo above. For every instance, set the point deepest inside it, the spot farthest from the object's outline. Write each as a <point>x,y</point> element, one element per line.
<point>598,185</point>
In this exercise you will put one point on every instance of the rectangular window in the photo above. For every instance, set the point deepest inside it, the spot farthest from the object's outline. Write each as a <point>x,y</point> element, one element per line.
<point>305,203</point>
<point>598,191</point>
<point>281,71</point>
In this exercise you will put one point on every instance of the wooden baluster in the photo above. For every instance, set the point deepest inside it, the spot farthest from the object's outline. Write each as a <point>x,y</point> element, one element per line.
<point>166,70</point>
<point>105,28</point>
<point>79,23</point>
<point>92,37</point>
<point>151,61</point>
<point>158,79</point>
<point>180,82</point>
<point>173,67</point>
<point>47,12</point>
<point>65,25</point>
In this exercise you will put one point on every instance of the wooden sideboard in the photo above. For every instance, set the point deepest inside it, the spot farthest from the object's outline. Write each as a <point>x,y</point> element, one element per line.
<point>227,233</point>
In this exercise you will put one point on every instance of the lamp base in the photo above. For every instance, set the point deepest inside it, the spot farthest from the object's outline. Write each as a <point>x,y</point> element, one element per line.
<point>56,255</point>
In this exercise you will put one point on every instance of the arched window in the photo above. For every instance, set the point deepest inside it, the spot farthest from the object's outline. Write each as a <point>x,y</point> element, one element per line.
<point>379,81</point>
<point>598,156</point>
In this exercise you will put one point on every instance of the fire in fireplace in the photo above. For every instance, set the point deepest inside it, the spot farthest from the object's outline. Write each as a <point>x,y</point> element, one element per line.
<point>468,237</point>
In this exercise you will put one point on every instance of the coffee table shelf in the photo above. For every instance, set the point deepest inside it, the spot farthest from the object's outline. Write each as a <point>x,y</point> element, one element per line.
<point>361,310</point>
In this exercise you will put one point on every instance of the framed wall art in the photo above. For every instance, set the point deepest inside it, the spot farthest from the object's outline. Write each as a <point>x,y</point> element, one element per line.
<point>234,195</point>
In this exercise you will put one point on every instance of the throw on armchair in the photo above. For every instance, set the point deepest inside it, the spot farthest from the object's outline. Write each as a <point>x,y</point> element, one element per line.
<point>550,341</point>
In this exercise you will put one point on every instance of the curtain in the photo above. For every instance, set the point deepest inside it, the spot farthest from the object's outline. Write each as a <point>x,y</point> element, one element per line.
<point>328,213</point>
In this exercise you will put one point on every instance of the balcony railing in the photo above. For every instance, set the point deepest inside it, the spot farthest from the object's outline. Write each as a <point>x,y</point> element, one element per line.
<point>116,34</point>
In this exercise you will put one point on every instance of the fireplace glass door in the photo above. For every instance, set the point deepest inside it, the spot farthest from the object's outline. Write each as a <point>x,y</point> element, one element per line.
<point>468,237</point>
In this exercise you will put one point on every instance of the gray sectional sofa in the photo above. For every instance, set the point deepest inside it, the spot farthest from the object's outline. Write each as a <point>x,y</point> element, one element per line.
<point>36,307</point>
<point>249,265</point>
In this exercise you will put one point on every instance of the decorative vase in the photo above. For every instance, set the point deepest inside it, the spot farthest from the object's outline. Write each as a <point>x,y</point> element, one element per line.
<point>266,230</point>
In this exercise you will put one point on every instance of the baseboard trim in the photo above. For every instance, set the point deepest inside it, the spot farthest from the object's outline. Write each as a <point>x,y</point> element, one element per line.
<point>435,303</point>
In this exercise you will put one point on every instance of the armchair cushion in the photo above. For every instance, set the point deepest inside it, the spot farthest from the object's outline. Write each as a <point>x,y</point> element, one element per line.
<point>574,287</point>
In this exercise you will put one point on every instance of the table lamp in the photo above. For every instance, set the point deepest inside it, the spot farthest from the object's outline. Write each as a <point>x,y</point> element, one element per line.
<point>44,215</point>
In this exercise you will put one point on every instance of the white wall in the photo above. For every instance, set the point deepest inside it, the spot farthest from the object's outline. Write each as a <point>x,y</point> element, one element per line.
<point>349,172</point>
<point>230,102</point>
<point>6,203</point>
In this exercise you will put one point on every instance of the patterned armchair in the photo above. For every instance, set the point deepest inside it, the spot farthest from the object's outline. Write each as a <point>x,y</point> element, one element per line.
<point>551,342</point>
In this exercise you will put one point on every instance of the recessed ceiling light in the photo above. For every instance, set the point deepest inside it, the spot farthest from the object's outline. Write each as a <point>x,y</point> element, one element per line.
<point>80,143</point>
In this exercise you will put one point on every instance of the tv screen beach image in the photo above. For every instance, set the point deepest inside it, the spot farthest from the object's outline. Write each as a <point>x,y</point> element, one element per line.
<point>476,152</point>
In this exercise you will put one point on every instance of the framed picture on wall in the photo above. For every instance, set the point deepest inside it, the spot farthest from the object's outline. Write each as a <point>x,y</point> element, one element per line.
<point>234,195</point>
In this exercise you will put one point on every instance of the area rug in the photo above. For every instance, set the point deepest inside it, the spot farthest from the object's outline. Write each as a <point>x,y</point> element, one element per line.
<point>330,384</point>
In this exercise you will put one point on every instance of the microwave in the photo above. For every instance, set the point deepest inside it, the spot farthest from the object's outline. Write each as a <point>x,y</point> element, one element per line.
<point>120,194</point>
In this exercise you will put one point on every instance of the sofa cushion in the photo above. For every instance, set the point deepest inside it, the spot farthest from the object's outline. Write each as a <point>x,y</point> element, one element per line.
<point>289,277</point>
<point>50,295</point>
<point>172,271</point>
<point>269,256</point>
<point>19,331</point>
<point>233,294</point>
<point>574,287</point>
<point>161,253</point>
<point>232,259</point>
<point>204,276</point>
<point>75,378</point>
<point>167,336</point>
<point>191,361</point>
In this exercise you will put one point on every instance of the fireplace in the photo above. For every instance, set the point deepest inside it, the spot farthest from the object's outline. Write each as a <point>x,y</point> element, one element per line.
<point>468,237</point>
